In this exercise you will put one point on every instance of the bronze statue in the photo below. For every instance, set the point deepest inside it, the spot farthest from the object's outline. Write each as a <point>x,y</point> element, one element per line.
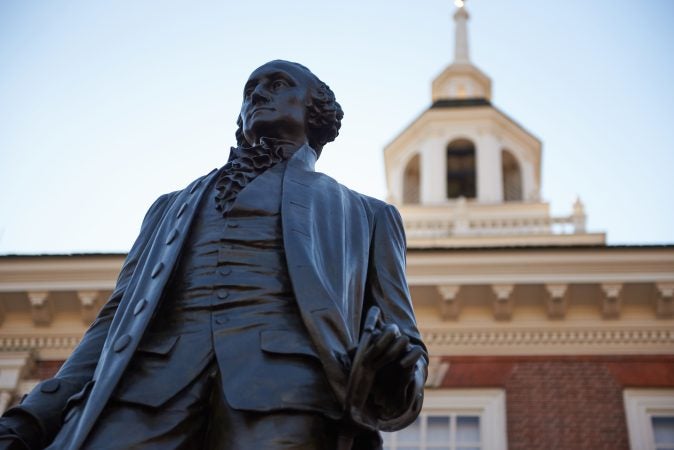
<point>264,306</point>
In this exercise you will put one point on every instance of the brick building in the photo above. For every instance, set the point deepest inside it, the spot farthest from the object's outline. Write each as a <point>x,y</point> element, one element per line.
<point>541,335</point>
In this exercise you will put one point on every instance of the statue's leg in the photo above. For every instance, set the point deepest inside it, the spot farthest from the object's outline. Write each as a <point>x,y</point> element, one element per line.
<point>180,424</point>
<point>231,429</point>
<point>280,430</point>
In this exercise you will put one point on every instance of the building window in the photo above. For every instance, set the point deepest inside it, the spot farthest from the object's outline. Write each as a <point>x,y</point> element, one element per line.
<point>457,419</point>
<point>512,178</point>
<point>461,169</point>
<point>446,432</point>
<point>412,181</point>
<point>650,418</point>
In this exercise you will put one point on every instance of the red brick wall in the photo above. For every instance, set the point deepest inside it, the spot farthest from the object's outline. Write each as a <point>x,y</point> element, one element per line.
<point>564,402</point>
<point>46,369</point>
<point>552,403</point>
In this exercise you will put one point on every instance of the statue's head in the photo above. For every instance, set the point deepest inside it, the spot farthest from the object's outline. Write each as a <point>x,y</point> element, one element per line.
<point>283,99</point>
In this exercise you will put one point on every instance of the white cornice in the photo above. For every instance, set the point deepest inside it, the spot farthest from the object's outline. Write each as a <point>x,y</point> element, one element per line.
<point>550,340</point>
<point>65,273</point>
<point>553,265</point>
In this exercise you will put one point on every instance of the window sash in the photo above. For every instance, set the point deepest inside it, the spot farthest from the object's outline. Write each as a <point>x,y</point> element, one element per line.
<point>391,441</point>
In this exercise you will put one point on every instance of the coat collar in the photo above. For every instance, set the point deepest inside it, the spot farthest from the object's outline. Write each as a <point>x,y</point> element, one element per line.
<point>304,158</point>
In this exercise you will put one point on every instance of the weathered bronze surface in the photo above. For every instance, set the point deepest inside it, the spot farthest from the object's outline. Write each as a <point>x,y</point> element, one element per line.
<point>264,306</point>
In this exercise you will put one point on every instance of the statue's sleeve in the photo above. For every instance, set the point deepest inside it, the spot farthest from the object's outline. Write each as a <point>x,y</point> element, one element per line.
<point>387,288</point>
<point>37,418</point>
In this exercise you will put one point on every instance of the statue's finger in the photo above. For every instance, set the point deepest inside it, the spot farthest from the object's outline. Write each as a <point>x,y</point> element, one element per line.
<point>385,339</point>
<point>411,358</point>
<point>393,352</point>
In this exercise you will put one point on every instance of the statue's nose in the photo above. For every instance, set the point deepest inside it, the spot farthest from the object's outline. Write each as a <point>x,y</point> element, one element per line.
<point>260,95</point>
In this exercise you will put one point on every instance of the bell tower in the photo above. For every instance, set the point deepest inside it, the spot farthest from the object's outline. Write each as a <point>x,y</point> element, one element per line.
<point>466,174</point>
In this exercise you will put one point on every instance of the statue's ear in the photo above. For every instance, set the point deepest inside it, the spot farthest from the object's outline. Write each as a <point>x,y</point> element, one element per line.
<point>240,138</point>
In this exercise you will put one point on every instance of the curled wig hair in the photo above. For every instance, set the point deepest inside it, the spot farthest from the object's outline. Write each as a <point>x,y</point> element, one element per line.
<point>324,115</point>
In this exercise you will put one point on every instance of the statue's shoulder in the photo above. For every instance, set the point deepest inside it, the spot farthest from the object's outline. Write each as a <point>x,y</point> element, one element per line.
<point>370,204</point>
<point>166,200</point>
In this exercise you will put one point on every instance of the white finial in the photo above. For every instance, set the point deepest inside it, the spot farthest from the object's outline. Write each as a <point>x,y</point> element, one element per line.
<point>578,217</point>
<point>461,38</point>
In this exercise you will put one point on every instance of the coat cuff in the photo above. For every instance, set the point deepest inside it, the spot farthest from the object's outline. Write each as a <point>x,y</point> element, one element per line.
<point>40,412</point>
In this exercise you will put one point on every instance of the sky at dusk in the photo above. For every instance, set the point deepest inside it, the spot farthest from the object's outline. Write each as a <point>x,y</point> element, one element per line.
<point>104,106</point>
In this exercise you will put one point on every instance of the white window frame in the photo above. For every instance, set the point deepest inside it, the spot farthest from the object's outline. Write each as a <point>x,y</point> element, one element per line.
<point>488,404</point>
<point>640,406</point>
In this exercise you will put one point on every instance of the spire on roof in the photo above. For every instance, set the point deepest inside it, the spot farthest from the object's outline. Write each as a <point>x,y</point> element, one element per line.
<point>461,80</point>
<point>461,30</point>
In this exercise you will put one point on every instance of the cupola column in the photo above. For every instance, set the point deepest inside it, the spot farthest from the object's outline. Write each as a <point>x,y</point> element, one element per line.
<point>433,170</point>
<point>489,173</point>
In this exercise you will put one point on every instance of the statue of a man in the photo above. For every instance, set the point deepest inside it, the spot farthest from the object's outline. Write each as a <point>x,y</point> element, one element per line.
<point>240,316</point>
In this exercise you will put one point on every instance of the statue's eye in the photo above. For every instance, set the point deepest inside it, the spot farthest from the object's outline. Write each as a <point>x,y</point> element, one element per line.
<point>278,84</point>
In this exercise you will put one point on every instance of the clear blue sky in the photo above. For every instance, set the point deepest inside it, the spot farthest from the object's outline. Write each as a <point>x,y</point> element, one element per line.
<point>106,105</point>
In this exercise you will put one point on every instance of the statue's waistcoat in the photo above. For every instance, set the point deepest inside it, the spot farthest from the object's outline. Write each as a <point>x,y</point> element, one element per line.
<point>230,297</point>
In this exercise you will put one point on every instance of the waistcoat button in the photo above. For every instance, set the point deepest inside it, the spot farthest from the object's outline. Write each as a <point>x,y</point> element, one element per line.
<point>225,271</point>
<point>223,294</point>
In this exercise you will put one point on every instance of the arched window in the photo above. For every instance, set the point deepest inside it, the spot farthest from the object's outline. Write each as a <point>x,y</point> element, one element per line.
<point>461,169</point>
<point>512,178</point>
<point>411,181</point>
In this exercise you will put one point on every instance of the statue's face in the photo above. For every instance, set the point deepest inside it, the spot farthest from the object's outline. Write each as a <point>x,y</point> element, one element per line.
<point>275,100</point>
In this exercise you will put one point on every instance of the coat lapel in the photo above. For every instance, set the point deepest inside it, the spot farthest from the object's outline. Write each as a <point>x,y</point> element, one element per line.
<point>140,301</point>
<point>313,235</point>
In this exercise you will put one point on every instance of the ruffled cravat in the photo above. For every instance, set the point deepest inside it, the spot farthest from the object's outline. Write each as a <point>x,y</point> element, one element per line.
<point>246,163</point>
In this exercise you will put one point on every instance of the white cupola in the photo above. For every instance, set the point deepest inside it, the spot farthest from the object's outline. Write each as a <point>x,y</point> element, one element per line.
<point>465,173</point>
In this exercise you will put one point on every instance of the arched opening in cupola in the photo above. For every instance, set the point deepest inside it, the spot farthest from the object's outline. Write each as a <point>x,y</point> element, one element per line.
<point>412,181</point>
<point>512,177</point>
<point>461,169</point>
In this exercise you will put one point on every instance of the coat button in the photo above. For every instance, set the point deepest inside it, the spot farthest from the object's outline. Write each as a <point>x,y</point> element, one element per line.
<point>195,186</point>
<point>139,306</point>
<point>172,236</point>
<point>50,386</point>
<point>157,269</point>
<point>225,271</point>
<point>233,225</point>
<point>223,294</point>
<point>220,320</point>
<point>182,209</point>
<point>122,343</point>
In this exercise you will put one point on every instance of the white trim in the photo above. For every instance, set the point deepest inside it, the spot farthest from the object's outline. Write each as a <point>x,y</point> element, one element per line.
<point>549,340</point>
<point>640,406</point>
<point>488,404</point>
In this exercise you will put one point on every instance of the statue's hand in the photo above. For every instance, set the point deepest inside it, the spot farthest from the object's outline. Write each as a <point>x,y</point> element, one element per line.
<point>392,361</point>
<point>386,371</point>
<point>389,349</point>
